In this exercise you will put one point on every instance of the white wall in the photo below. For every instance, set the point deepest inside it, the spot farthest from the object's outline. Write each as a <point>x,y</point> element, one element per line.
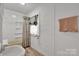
<point>10,24</point>
<point>1,13</point>
<point>45,43</point>
<point>35,43</point>
<point>66,43</point>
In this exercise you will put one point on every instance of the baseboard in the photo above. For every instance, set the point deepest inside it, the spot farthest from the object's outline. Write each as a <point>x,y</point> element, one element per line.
<point>32,52</point>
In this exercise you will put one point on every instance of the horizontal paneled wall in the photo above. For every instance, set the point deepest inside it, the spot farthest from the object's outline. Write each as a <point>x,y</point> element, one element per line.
<point>52,41</point>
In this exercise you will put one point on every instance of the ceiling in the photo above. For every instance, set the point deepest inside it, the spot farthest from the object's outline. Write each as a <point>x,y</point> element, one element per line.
<point>21,8</point>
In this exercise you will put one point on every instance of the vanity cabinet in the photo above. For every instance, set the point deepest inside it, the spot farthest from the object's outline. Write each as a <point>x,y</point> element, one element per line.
<point>68,24</point>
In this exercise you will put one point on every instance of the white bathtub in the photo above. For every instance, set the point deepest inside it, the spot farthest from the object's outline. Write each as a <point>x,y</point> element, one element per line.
<point>15,50</point>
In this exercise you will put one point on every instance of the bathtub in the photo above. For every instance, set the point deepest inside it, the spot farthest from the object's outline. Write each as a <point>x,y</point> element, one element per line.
<point>15,50</point>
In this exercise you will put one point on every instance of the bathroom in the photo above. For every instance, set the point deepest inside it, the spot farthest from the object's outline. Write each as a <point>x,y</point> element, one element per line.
<point>47,39</point>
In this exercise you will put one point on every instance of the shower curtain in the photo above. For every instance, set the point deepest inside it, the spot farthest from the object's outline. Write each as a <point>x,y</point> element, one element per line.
<point>26,33</point>
<point>28,22</point>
